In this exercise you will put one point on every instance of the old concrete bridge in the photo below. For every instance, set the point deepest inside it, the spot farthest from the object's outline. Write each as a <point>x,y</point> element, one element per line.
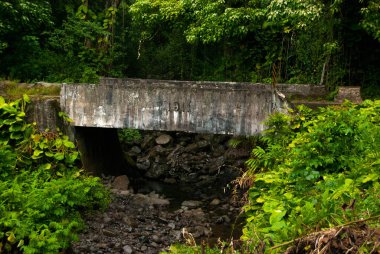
<point>201,107</point>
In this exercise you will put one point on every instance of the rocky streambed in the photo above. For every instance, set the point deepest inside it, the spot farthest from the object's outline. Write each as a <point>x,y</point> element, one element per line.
<point>183,186</point>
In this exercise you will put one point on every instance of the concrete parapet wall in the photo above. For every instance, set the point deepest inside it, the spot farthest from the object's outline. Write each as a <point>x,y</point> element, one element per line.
<point>202,107</point>
<point>302,90</point>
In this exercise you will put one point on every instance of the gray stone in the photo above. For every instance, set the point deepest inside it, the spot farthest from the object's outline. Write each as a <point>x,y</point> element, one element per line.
<point>143,164</point>
<point>163,139</point>
<point>203,144</point>
<point>191,203</point>
<point>156,171</point>
<point>124,192</point>
<point>156,238</point>
<point>109,233</point>
<point>127,249</point>
<point>195,214</point>
<point>215,202</point>
<point>150,201</point>
<point>106,219</point>
<point>171,225</point>
<point>121,183</point>
<point>135,150</point>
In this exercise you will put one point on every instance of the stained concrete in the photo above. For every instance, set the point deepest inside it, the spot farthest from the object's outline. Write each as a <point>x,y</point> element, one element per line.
<point>201,107</point>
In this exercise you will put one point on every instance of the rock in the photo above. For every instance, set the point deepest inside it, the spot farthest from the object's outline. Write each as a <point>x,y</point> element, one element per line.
<point>109,233</point>
<point>101,245</point>
<point>127,249</point>
<point>147,142</point>
<point>159,201</point>
<point>143,248</point>
<point>146,200</point>
<point>156,238</point>
<point>121,183</point>
<point>198,231</point>
<point>218,150</point>
<point>143,164</point>
<point>226,219</point>
<point>124,192</point>
<point>208,232</point>
<point>203,144</point>
<point>195,214</point>
<point>191,148</point>
<point>106,219</point>
<point>129,221</point>
<point>163,139</point>
<point>215,202</point>
<point>191,203</point>
<point>153,244</point>
<point>156,171</point>
<point>171,225</point>
<point>223,219</point>
<point>216,164</point>
<point>135,150</point>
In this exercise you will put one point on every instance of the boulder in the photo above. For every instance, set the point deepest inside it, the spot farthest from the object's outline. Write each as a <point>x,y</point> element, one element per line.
<point>163,139</point>
<point>121,183</point>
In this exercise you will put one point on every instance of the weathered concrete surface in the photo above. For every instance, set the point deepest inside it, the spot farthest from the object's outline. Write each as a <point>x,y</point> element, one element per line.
<point>202,107</point>
<point>302,91</point>
<point>351,93</point>
<point>44,111</point>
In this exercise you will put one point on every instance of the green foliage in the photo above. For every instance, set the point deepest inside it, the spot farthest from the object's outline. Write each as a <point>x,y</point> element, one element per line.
<point>331,42</point>
<point>371,19</point>
<point>42,191</point>
<point>129,136</point>
<point>318,169</point>
<point>13,89</point>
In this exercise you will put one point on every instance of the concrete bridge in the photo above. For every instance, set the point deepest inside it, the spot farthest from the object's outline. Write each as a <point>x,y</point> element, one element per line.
<point>202,107</point>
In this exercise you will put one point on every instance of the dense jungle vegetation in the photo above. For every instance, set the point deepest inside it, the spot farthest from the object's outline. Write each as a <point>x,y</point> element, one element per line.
<point>331,42</point>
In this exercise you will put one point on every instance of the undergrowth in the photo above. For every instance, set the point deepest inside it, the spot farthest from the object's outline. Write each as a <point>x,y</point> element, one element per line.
<point>15,89</point>
<point>42,190</point>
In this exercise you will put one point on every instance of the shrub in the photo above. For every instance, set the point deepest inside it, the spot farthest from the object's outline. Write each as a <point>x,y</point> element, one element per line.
<point>42,191</point>
<point>318,169</point>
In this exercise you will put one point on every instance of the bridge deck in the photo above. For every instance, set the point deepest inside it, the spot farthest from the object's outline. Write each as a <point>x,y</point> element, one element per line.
<point>202,107</point>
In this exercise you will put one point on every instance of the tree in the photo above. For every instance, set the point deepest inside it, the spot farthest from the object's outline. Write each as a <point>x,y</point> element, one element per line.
<point>371,18</point>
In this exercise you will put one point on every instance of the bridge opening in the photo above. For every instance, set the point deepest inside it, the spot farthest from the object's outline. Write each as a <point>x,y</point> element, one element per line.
<point>186,176</point>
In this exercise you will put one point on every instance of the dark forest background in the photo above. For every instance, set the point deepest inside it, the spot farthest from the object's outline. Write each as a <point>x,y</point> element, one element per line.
<point>330,42</point>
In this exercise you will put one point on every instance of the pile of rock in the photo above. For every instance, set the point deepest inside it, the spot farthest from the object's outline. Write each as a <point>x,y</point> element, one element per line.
<point>182,157</point>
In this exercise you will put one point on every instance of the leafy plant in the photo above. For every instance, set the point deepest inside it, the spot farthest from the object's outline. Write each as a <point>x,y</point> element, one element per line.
<point>317,170</point>
<point>42,191</point>
<point>129,135</point>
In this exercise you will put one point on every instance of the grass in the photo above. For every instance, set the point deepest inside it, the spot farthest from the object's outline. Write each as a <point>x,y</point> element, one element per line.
<point>15,89</point>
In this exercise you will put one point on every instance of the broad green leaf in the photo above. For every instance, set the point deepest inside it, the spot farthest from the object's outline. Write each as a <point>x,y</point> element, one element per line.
<point>11,238</point>
<point>26,98</point>
<point>68,144</point>
<point>36,154</point>
<point>276,216</point>
<point>59,156</point>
